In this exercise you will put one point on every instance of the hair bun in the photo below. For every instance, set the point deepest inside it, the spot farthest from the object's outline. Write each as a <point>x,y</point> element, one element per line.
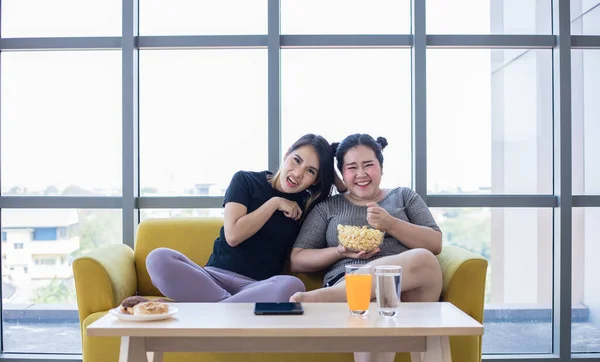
<point>382,142</point>
<point>334,147</point>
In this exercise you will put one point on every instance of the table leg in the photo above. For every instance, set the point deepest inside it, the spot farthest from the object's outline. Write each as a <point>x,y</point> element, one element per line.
<point>133,349</point>
<point>154,356</point>
<point>417,356</point>
<point>438,350</point>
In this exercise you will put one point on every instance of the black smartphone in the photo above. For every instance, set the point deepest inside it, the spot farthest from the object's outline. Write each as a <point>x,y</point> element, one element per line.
<point>283,308</point>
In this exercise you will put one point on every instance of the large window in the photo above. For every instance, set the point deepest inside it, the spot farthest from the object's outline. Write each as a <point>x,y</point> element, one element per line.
<point>517,243</point>
<point>586,121</point>
<point>147,214</point>
<point>489,17</point>
<point>61,123</point>
<point>586,181</point>
<point>203,17</point>
<point>586,294</point>
<point>586,17</point>
<point>489,115</point>
<point>351,17</point>
<point>340,92</point>
<point>201,121</point>
<point>60,18</point>
<point>112,113</point>
<point>38,292</point>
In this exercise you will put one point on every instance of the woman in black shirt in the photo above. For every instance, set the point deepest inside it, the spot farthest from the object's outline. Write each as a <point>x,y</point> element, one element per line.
<point>262,218</point>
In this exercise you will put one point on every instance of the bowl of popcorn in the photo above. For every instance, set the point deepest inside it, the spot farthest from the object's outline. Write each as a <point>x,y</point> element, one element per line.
<point>356,238</point>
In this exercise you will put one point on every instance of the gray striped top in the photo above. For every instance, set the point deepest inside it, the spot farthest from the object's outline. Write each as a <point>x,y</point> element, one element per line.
<point>319,230</point>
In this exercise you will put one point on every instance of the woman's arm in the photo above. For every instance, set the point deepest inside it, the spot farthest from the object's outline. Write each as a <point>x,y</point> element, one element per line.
<point>420,234</point>
<point>312,260</point>
<point>239,226</point>
<point>416,236</point>
<point>310,252</point>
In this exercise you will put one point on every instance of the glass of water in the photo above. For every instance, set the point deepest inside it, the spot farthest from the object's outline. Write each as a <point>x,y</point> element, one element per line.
<point>389,286</point>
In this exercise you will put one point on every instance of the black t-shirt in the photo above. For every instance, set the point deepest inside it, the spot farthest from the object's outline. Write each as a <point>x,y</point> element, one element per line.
<point>262,255</point>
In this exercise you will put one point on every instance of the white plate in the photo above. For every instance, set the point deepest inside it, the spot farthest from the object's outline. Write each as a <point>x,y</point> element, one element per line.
<point>142,318</point>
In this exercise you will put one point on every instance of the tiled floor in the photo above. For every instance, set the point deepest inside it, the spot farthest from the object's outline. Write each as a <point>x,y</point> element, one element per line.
<point>42,338</point>
<point>524,338</point>
<point>499,338</point>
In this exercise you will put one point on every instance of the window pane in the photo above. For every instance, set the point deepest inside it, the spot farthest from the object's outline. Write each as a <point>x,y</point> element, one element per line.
<point>586,121</point>
<point>336,93</point>
<point>38,293</point>
<point>203,117</point>
<point>518,246</point>
<point>61,123</point>
<point>169,213</point>
<point>586,17</point>
<point>58,18</point>
<point>489,115</point>
<point>489,17</point>
<point>203,17</point>
<point>345,17</point>
<point>585,329</point>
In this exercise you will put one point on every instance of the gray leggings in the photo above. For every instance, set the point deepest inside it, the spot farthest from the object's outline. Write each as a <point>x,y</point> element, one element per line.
<point>182,280</point>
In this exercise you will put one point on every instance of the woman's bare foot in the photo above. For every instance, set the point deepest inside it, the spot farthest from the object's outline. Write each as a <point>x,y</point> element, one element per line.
<point>306,297</point>
<point>322,295</point>
<point>296,297</point>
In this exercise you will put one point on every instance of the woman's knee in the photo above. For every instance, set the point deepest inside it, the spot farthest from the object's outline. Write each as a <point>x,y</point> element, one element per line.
<point>426,275</point>
<point>425,260</point>
<point>158,260</point>
<point>290,284</point>
<point>424,269</point>
<point>430,269</point>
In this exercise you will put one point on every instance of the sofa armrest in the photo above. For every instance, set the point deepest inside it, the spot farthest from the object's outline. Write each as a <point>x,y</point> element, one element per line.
<point>103,278</point>
<point>464,279</point>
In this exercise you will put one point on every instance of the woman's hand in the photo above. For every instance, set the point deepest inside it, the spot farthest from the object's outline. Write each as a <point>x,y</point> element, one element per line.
<point>378,217</point>
<point>356,255</point>
<point>289,208</point>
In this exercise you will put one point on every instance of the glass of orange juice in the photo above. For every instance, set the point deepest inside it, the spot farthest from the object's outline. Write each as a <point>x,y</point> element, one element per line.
<point>359,281</point>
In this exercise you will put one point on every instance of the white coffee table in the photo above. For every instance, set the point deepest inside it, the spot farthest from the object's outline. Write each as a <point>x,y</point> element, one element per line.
<point>420,328</point>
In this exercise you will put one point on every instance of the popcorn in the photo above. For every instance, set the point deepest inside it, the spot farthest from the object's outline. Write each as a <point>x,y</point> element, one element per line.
<point>356,238</point>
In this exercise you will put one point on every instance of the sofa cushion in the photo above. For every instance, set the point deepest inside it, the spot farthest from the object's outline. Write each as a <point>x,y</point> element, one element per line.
<point>194,237</point>
<point>98,348</point>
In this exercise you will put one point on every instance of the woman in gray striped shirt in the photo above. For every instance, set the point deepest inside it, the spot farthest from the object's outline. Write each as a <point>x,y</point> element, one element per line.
<point>412,237</point>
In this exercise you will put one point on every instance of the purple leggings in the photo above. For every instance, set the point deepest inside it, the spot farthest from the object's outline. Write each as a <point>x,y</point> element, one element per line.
<point>182,280</point>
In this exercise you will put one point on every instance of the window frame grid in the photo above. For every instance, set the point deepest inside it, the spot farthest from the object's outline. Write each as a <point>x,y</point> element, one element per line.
<point>130,203</point>
<point>130,132</point>
<point>562,247</point>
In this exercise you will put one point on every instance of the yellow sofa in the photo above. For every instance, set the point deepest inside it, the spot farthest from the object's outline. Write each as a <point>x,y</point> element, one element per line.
<point>107,275</point>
